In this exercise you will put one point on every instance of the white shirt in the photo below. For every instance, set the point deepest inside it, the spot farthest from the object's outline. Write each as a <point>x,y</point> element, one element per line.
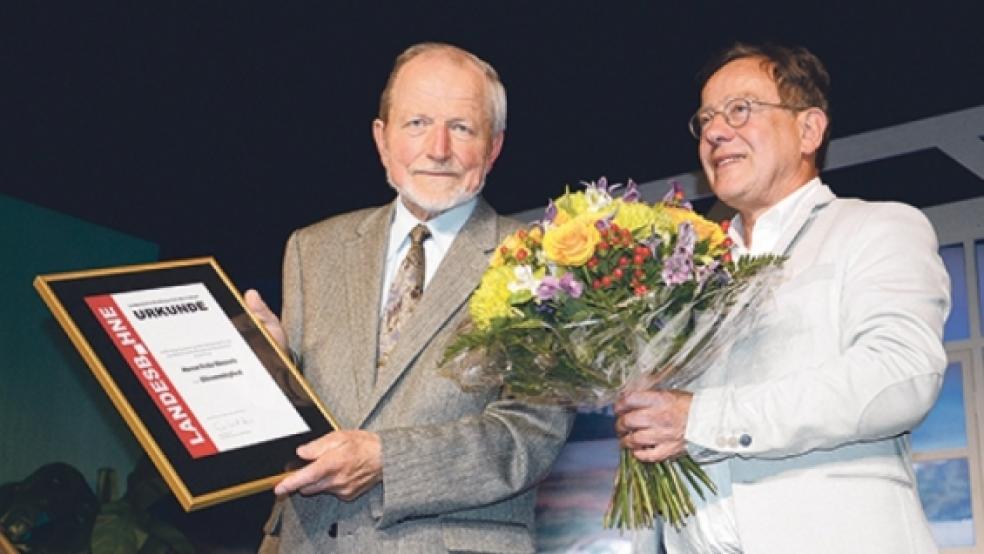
<point>443,229</point>
<point>713,529</point>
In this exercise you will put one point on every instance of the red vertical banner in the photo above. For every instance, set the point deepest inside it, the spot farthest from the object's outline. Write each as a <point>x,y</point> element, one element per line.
<point>145,367</point>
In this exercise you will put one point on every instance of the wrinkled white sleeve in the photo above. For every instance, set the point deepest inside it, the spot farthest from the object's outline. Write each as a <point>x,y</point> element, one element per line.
<point>889,366</point>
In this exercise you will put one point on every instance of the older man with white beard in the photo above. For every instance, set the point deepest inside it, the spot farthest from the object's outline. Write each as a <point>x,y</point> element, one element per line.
<point>421,466</point>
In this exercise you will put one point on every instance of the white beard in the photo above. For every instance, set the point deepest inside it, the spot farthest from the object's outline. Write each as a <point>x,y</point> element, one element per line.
<point>438,205</point>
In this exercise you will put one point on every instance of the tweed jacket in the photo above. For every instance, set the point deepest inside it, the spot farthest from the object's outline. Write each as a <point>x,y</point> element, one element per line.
<point>459,468</point>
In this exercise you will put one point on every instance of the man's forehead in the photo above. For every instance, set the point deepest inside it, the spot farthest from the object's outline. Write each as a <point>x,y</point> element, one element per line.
<point>741,78</point>
<point>439,82</point>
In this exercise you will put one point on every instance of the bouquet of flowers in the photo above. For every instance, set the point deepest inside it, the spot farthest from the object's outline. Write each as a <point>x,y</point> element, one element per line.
<point>606,294</point>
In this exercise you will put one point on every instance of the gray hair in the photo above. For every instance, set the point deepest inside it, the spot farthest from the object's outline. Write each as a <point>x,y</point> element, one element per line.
<point>495,91</point>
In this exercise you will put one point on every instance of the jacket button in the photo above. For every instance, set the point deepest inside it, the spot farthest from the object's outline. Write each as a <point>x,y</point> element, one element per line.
<point>333,530</point>
<point>745,440</point>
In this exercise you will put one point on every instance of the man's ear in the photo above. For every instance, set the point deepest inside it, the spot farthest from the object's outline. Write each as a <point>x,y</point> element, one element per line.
<point>813,125</point>
<point>495,149</point>
<point>379,136</point>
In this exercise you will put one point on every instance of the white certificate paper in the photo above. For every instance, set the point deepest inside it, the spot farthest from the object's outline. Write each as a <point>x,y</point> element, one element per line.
<point>197,368</point>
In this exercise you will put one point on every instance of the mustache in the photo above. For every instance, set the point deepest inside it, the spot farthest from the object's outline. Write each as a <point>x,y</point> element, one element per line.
<point>439,168</point>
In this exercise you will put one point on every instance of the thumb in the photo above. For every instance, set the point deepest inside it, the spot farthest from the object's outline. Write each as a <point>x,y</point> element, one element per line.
<point>254,302</point>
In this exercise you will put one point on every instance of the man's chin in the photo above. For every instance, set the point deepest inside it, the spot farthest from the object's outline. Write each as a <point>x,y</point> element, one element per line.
<point>437,203</point>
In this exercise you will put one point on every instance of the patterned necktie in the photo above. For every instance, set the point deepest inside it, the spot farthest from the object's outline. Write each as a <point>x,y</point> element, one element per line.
<point>404,293</point>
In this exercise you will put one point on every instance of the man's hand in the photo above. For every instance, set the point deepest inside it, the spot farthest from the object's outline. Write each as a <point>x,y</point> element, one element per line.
<point>343,463</point>
<point>652,424</point>
<point>263,313</point>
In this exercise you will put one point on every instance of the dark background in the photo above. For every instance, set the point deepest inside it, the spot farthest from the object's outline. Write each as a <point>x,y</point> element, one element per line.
<point>216,128</point>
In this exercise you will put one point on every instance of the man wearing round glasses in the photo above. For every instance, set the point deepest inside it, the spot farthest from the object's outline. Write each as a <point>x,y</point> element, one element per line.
<point>804,424</point>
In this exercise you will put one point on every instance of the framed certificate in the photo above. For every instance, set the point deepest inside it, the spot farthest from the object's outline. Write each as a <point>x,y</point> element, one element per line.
<point>216,404</point>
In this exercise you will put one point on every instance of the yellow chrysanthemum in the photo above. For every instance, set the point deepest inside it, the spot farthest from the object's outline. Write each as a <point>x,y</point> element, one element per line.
<point>662,221</point>
<point>572,204</point>
<point>573,243</point>
<point>634,216</point>
<point>705,229</point>
<point>491,300</point>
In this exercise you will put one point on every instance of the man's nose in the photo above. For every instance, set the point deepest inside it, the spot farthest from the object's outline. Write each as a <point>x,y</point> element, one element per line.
<point>717,129</point>
<point>440,143</point>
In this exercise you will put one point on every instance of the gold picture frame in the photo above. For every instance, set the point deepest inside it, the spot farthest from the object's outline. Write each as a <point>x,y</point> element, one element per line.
<point>215,477</point>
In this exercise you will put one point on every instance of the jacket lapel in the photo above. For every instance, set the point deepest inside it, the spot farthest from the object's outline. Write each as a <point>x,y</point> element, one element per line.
<point>455,279</point>
<point>364,257</point>
<point>818,199</point>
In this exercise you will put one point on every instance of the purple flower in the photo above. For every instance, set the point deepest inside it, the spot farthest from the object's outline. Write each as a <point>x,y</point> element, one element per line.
<point>550,286</point>
<point>675,197</point>
<point>551,212</point>
<point>678,268</point>
<point>604,223</point>
<point>571,286</point>
<point>631,192</point>
<point>686,239</point>
<point>602,184</point>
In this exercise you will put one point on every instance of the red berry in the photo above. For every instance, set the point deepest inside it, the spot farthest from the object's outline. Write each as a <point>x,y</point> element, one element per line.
<point>593,263</point>
<point>602,245</point>
<point>606,280</point>
<point>503,250</point>
<point>641,290</point>
<point>596,284</point>
<point>725,225</point>
<point>521,254</point>
<point>521,233</point>
<point>638,259</point>
<point>623,261</point>
<point>727,242</point>
<point>726,257</point>
<point>639,274</point>
<point>618,273</point>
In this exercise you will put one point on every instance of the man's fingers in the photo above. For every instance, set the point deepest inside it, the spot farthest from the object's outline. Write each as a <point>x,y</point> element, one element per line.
<point>314,449</point>
<point>256,305</point>
<point>658,453</point>
<point>254,301</point>
<point>306,478</point>
<point>639,399</point>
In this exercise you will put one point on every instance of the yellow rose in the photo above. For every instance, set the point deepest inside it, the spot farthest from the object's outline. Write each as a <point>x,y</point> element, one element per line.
<point>705,229</point>
<point>491,300</point>
<point>572,243</point>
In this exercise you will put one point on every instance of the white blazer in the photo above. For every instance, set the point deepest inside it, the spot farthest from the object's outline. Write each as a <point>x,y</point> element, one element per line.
<point>811,411</point>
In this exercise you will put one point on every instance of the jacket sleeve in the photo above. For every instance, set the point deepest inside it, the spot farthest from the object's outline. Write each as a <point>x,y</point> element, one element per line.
<point>472,462</point>
<point>886,370</point>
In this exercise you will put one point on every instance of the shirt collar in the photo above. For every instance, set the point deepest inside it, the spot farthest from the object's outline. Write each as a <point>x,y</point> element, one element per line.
<point>443,228</point>
<point>773,223</point>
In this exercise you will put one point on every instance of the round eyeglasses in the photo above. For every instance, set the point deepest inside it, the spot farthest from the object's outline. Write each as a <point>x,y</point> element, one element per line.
<point>735,111</point>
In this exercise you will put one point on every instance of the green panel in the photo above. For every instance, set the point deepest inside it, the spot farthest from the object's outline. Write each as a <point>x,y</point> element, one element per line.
<point>51,407</point>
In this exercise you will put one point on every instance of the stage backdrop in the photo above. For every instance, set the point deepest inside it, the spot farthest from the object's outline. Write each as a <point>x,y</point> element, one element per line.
<point>51,408</point>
